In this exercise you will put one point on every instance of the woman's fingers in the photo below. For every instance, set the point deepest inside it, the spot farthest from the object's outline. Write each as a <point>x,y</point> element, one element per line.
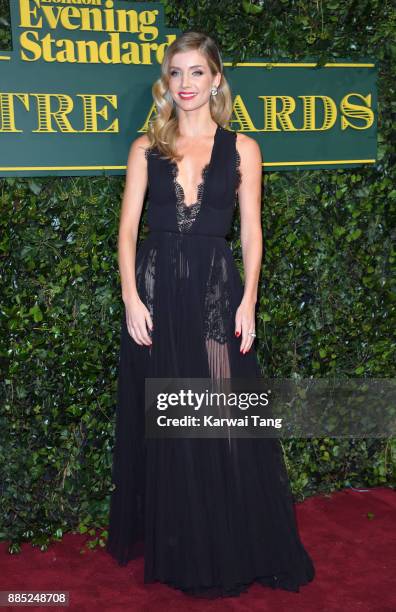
<point>247,340</point>
<point>244,324</point>
<point>142,334</point>
<point>138,324</point>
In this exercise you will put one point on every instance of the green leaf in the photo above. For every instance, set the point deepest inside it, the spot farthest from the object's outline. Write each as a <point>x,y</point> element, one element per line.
<point>36,312</point>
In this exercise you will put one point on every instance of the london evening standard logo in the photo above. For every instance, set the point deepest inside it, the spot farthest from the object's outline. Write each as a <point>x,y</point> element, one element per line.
<point>100,32</point>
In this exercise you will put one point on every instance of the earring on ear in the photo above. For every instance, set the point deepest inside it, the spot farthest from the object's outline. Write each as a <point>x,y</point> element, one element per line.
<point>214,91</point>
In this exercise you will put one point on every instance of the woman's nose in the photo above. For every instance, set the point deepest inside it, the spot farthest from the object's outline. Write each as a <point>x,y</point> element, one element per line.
<point>185,80</point>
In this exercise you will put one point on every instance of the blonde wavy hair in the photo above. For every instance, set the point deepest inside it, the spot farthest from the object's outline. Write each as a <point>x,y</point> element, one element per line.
<point>163,129</point>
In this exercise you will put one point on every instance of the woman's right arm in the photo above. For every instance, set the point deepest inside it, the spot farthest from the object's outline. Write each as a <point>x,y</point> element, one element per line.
<point>137,314</point>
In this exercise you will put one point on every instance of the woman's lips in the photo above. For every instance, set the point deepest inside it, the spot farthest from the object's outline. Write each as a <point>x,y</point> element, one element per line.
<point>186,96</point>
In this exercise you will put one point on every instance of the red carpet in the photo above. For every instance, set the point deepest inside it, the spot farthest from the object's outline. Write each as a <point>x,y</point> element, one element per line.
<point>354,557</point>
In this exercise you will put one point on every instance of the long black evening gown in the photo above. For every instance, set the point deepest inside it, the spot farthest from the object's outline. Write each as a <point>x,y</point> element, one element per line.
<point>214,515</point>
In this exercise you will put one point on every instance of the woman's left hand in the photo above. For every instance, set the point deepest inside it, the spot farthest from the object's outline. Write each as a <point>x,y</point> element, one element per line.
<point>244,323</point>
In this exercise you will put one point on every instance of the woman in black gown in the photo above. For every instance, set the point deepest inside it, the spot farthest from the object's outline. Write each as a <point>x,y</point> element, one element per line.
<point>212,515</point>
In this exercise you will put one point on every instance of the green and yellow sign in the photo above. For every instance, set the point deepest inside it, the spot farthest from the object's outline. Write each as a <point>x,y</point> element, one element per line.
<point>76,90</point>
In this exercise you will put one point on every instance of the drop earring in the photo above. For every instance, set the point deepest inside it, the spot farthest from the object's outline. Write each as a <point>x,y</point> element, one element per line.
<point>214,91</point>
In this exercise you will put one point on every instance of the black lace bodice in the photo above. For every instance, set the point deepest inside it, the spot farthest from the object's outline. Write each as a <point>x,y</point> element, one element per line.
<point>212,212</point>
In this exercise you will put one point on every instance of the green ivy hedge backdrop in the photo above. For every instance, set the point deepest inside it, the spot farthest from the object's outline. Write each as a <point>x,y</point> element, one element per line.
<point>326,305</point>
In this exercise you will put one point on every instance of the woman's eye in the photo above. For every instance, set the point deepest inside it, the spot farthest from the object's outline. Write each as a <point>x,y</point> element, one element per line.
<point>173,72</point>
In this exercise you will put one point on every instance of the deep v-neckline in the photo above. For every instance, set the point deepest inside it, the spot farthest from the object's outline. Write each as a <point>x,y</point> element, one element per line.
<point>180,194</point>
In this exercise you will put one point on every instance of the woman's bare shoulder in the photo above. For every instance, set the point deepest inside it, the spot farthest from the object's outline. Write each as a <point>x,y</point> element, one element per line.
<point>248,147</point>
<point>138,147</point>
<point>141,142</point>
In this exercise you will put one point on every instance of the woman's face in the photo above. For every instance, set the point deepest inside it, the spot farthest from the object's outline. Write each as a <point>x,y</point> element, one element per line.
<point>189,74</point>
